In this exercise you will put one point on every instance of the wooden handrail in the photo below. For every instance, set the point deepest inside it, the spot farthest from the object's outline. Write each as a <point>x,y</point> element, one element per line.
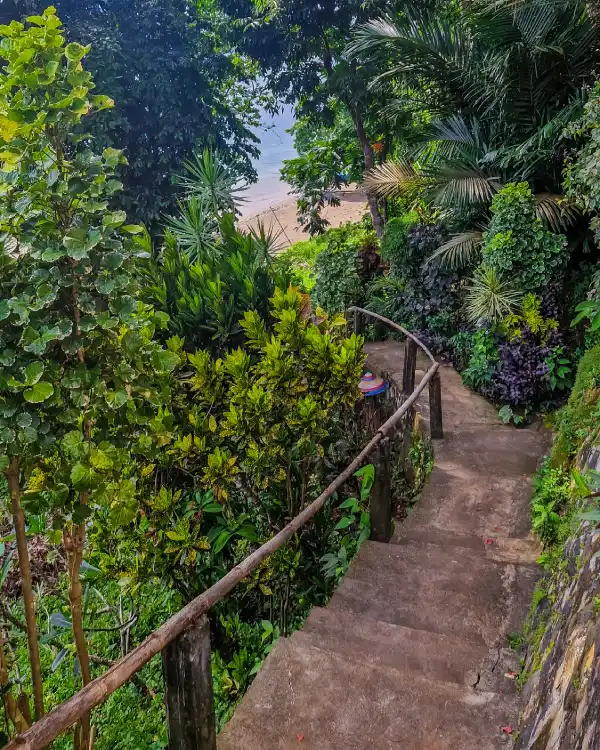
<point>64,716</point>
<point>399,328</point>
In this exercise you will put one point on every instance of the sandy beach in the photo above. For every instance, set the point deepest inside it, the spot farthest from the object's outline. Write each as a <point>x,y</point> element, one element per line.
<point>282,217</point>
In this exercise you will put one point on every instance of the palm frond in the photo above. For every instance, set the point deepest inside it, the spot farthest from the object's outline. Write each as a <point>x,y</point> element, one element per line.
<point>558,213</point>
<point>459,251</point>
<point>392,180</point>
<point>490,297</point>
<point>462,187</point>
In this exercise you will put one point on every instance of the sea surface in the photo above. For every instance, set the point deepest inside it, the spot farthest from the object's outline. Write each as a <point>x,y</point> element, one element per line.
<point>276,145</point>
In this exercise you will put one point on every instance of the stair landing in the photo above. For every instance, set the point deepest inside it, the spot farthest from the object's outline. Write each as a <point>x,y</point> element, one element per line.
<point>411,651</point>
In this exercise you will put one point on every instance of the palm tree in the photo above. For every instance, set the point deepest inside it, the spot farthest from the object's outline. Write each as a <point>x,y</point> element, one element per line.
<point>501,79</point>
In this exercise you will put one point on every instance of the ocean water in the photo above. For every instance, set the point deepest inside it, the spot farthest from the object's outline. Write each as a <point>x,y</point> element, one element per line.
<point>276,145</point>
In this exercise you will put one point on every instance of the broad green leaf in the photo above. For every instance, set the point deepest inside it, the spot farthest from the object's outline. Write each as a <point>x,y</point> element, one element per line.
<point>83,477</point>
<point>51,254</point>
<point>7,358</point>
<point>28,435</point>
<point>40,392</point>
<point>114,219</point>
<point>73,442</point>
<point>75,52</point>
<point>4,309</point>
<point>33,373</point>
<point>100,460</point>
<point>133,228</point>
<point>344,522</point>
<point>164,361</point>
<point>124,306</point>
<point>4,461</point>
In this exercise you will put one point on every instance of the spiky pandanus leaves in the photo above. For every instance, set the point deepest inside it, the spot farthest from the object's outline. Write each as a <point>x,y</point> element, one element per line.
<point>490,297</point>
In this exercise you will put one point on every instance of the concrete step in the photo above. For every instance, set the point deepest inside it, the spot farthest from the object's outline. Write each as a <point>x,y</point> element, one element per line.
<point>488,452</point>
<point>314,699</point>
<point>457,500</point>
<point>445,591</point>
<point>493,544</point>
<point>431,655</point>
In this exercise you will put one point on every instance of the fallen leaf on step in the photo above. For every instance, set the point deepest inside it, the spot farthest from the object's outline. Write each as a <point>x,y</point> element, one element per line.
<point>511,675</point>
<point>507,730</point>
<point>497,528</point>
<point>489,541</point>
<point>299,737</point>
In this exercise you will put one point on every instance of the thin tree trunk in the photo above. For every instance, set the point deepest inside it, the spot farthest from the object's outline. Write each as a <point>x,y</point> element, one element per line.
<point>369,156</point>
<point>13,479</point>
<point>74,541</point>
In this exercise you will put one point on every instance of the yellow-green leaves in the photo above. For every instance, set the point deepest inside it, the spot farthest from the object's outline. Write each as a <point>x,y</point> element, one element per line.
<point>8,129</point>
<point>74,52</point>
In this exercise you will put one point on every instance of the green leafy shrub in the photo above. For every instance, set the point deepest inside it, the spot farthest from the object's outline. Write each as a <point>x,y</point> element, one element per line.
<point>395,246</point>
<point>517,245</point>
<point>581,175</point>
<point>482,361</point>
<point>419,292</point>
<point>205,299</point>
<point>299,261</point>
<point>551,495</point>
<point>259,431</point>
<point>579,419</point>
<point>344,267</point>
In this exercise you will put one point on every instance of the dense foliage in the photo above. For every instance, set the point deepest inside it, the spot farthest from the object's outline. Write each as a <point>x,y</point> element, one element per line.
<point>129,461</point>
<point>176,83</point>
<point>342,270</point>
<point>517,245</point>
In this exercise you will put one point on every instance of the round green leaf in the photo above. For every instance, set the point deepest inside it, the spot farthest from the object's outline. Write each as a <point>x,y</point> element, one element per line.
<point>40,392</point>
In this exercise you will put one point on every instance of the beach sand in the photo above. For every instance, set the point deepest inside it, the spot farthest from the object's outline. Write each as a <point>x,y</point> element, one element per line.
<point>282,217</point>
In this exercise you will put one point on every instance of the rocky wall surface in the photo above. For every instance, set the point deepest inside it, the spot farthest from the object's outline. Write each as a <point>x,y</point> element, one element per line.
<point>561,698</point>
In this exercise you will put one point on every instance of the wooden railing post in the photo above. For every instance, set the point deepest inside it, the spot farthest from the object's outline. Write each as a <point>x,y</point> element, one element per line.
<point>381,495</point>
<point>410,366</point>
<point>189,690</point>
<point>359,323</point>
<point>435,407</point>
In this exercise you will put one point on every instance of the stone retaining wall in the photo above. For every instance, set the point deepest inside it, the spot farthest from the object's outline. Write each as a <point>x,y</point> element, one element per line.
<point>561,699</point>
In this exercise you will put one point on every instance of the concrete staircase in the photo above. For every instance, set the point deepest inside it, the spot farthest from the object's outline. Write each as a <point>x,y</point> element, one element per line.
<point>411,651</point>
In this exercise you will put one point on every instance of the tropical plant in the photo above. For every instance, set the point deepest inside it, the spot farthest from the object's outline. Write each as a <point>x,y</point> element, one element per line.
<point>345,267</point>
<point>178,84</point>
<point>206,295</point>
<point>517,245</point>
<point>215,184</point>
<point>581,183</point>
<point>82,381</point>
<point>501,80</point>
<point>262,429</point>
<point>490,298</point>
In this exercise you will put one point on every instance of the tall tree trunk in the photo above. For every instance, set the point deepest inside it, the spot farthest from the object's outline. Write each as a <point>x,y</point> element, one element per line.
<point>369,156</point>
<point>13,478</point>
<point>74,541</point>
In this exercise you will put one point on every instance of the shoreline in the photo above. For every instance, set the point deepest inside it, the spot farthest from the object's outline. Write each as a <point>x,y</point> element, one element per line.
<point>281,217</point>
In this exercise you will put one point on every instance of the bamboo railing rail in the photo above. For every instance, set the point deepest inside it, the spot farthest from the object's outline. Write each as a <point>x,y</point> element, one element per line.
<point>64,716</point>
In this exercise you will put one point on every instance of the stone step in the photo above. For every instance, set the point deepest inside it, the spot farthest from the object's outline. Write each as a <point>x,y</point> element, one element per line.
<point>488,452</point>
<point>458,502</point>
<point>314,699</point>
<point>494,544</point>
<point>431,655</point>
<point>445,591</point>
